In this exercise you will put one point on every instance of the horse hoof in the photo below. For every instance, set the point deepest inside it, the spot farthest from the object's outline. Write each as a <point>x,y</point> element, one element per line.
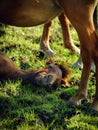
<point>70,104</point>
<point>49,53</point>
<point>77,65</point>
<point>92,110</point>
<point>73,102</point>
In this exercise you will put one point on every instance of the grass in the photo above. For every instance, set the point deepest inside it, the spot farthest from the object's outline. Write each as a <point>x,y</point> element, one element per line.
<point>28,107</point>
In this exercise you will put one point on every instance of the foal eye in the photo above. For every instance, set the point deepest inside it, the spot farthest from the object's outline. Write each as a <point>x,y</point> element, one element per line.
<point>50,67</point>
<point>49,77</point>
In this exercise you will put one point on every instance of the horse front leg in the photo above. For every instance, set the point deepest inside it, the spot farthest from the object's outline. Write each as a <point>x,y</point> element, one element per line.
<point>94,105</point>
<point>81,93</point>
<point>89,53</point>
<point>88,44</point>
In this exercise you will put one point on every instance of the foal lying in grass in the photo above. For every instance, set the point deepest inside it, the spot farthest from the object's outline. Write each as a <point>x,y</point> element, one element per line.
<point>51,75</point>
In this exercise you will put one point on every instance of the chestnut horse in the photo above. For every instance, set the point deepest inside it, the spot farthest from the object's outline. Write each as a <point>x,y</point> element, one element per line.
<point>35,12</point>
<point>52,75</point>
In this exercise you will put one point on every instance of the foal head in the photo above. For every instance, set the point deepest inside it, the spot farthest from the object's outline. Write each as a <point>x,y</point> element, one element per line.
<point>51,75</point>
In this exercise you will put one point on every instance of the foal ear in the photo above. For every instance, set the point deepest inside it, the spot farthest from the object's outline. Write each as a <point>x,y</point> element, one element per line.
<point>65,70</point>
<point>65,74</point>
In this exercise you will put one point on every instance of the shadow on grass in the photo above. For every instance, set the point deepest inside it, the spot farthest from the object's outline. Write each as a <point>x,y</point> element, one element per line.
<point>48,106</point>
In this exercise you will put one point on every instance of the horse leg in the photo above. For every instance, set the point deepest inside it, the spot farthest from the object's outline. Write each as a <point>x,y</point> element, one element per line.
<point>44,44</point>
<point>82,90</point>
<point>67,39</point>
<point>88,44</point>
<point>78,62</point>
<point>94,105</point>
<point>95,17</point>
<point>68,42</point>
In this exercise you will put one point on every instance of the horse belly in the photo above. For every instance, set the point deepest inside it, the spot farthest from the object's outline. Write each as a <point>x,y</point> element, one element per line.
<point>28,12</point>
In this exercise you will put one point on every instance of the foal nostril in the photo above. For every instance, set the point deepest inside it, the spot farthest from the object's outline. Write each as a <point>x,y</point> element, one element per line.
<point>50,80</point>
<point>49,77</point>
<point>49,85</point>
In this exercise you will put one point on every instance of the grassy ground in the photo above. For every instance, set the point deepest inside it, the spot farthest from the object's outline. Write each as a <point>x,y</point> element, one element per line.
<point>27,107</point>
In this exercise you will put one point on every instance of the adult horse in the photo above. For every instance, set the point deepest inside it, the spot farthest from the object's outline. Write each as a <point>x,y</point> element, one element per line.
<point>35,12</point>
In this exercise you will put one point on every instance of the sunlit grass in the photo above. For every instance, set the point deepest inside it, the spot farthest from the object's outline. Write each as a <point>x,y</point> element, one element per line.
<point>28,107</point>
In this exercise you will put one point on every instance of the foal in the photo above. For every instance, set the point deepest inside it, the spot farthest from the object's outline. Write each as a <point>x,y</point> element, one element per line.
<point>51,75</point>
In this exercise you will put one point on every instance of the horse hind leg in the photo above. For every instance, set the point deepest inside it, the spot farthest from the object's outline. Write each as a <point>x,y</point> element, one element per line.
<point>44,43</point>
<point>67,39</point>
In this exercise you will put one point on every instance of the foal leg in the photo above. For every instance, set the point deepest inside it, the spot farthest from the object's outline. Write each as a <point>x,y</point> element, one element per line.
<point>82,20</point>
<point>67,39</point>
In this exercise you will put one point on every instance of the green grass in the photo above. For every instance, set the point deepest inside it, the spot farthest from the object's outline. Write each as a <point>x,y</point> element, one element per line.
<point>28,107</point>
